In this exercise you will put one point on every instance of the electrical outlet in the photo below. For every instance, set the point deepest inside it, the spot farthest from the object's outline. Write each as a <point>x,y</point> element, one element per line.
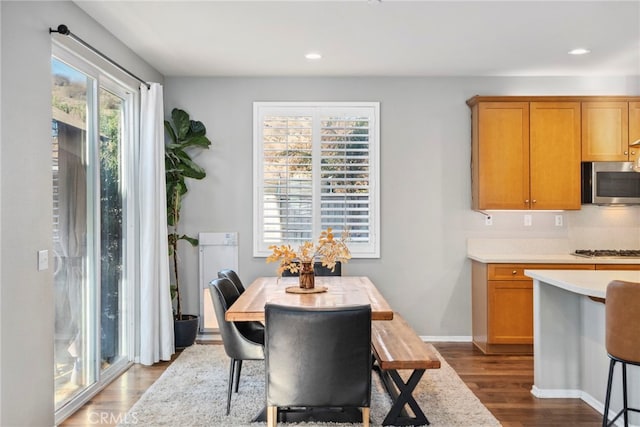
<point>558,220</point>
<point>527,220</point>
<point>43,260</point>
<point>488,220</point>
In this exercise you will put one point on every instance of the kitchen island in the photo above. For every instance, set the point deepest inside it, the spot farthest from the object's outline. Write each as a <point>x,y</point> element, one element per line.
<point>570,358</point>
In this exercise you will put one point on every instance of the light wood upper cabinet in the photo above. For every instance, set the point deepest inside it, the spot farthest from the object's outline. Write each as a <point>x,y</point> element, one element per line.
<point>526,150</point>
<point>634,131</point>
<point>500,159</point>
<point>526,155</point>
<point>605,131</point>
<point>555,155</point>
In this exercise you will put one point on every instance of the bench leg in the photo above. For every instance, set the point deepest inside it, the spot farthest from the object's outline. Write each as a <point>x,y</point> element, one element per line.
<point>397,416</point>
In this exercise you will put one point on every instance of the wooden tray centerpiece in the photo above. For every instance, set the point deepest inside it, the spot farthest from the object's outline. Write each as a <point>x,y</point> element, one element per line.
<point>299,290</point>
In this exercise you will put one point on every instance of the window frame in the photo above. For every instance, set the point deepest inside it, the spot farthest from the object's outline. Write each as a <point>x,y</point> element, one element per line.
<point>370,249</point>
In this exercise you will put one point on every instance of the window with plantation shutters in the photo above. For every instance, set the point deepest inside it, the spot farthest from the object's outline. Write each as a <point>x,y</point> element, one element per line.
<point>316,166</point>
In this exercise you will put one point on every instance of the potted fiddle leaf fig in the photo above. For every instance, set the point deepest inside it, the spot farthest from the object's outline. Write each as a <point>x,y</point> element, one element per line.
<point>185,136</point>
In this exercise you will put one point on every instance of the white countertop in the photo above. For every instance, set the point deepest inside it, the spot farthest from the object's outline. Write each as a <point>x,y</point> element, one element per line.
<point>525,258</point>
<point>533,251</point>
<point>585,282</point>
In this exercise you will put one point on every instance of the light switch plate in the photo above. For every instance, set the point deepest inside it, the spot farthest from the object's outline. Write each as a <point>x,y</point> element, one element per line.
<point>527,220</point>
<point>558,220</point>
<point>43,260</point>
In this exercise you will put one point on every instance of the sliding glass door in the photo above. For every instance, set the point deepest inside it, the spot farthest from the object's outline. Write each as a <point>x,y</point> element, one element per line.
<point>91,146</point>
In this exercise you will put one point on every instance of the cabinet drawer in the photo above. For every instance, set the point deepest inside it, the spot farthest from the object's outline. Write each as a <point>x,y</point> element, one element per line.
<point>617,266</point>
<point>507,272</point>
<point>516,271</point>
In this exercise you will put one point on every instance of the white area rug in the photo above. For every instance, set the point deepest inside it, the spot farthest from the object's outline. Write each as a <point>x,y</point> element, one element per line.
<point>192,392</point>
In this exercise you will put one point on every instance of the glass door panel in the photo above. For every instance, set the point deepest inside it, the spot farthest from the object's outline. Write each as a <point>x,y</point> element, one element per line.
<point>91,130</point>
<point>111,228</point>
<point>70,109</point>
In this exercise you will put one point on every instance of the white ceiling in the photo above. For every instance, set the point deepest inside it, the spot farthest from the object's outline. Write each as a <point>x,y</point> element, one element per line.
<point>377,38</point>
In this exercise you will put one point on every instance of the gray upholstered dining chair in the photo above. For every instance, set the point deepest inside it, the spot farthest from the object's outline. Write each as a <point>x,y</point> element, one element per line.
<point>317,358</point>
<point>233,276</point>
<point>242,340</point>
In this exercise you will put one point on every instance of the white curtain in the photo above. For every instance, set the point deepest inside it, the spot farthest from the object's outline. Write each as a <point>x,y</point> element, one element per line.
<point>156,315</point>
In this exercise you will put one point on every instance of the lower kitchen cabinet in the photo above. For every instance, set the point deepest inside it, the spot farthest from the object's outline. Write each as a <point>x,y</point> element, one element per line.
<point>510,312</point>
<point>502,305</point>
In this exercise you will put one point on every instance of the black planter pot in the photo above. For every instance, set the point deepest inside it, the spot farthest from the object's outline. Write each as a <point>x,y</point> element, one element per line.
<point>185,330</point>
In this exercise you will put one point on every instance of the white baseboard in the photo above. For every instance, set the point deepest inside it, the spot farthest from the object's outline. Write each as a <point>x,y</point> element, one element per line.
<point>556,393</point>
<point>577,394</point>
<point>446,338</point>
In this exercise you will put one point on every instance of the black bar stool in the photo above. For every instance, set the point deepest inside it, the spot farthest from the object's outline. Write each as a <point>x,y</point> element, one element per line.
<point>622,315</point>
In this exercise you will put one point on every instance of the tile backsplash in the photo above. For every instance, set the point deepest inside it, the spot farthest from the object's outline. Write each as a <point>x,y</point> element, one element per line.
<point>592,227</point>
<point>605,227</point>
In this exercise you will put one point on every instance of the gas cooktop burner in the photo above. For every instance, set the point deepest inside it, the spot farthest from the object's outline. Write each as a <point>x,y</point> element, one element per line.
<point>624,253</point>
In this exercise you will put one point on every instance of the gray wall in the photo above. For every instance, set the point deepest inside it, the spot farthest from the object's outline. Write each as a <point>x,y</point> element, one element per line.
<point>425,180</point>
<point>26,311</point>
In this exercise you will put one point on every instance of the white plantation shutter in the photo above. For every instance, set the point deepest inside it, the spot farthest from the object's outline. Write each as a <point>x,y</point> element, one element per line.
<point>345,173</point>
<point>287,181</point>
<point>316,167</point>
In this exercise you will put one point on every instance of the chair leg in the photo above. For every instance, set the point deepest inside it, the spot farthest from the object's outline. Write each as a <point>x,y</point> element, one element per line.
<point>239,366</point>
<point>232,365</point>
<point>607,400</point>
<point>365,416</point>
<point>624,394</point>
<point>272,416</point>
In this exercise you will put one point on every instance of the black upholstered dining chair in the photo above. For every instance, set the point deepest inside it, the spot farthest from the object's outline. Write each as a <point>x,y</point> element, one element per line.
<point>317,358</point>
<point>233,276</point>
<point>319,270</point>
<point>242,340</point>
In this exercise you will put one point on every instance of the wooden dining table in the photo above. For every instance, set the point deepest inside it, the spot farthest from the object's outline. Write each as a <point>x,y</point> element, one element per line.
<point>342,291</point>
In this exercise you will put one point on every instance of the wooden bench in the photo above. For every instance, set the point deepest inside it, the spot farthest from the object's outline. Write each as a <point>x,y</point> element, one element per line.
<point>396,346</point>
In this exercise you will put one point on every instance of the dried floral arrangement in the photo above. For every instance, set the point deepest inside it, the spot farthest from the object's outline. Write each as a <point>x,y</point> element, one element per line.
<point>329,251</point>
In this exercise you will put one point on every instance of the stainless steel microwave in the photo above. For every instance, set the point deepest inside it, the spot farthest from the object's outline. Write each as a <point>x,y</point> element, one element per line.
<point>610,183</point>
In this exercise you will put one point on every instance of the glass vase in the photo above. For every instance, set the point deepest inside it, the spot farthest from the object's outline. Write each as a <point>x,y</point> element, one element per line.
<point>306,275</point>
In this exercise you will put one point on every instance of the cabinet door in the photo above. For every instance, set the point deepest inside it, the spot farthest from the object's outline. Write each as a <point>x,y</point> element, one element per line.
<point>634,131</point>
<point>510,312</point>
<point>605,131</point>
<point>503,155</point>
<point>555,155</point>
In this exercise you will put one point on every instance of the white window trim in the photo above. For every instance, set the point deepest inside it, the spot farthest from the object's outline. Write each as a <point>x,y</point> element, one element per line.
<point>372,250</point>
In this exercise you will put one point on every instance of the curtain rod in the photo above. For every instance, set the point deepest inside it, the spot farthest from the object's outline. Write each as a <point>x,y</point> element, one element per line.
<point>64,30</point>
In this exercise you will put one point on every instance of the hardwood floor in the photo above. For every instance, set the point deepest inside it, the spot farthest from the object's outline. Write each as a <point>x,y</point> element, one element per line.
<point>502,383</point>
<point>109,407</point>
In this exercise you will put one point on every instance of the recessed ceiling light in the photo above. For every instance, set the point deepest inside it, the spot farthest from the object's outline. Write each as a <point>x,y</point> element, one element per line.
<point>313,55</point>
<point>579,51</point>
